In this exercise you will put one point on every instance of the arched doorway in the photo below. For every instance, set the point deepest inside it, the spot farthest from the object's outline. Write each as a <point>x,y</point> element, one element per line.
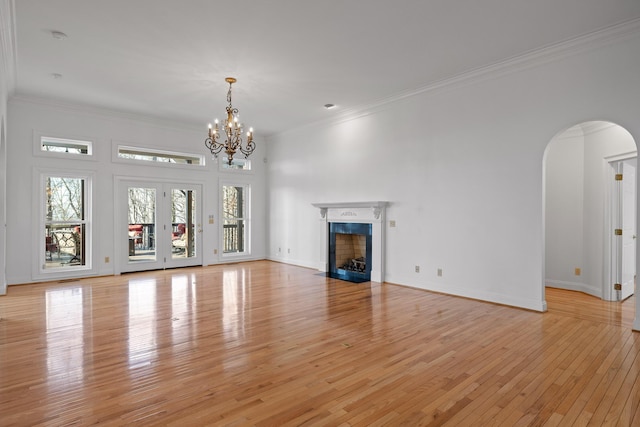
<point>581,212</point>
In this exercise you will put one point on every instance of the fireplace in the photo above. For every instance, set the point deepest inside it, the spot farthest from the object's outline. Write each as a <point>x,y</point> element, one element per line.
<point>352,242</point>
<point>350,251</point>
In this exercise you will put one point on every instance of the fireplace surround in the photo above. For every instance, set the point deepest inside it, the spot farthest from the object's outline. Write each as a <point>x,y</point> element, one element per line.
<point>369,215</point>
<point>350,250</point>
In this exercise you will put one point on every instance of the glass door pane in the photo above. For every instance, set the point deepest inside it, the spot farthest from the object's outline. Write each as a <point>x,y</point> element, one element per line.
<point>183,222</point>
<point>141,225</point>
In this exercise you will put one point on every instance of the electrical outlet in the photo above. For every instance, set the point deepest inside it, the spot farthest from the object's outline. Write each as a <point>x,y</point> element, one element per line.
<point>417,269</point>
<point>215,252</point>
<point>106,260</point>
<point>288,250</point>
<point>578,271</point>
<point>392,223</point>
<point>439,272</point>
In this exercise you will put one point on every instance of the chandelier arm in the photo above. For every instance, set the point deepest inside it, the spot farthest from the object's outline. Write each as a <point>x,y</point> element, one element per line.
<point>250,147</point>
<point>213,145</point>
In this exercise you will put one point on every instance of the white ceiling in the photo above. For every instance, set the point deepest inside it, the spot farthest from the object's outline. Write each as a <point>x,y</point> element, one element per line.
<point>169,58</point>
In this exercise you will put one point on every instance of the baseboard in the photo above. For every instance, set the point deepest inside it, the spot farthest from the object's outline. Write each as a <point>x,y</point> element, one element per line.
<point>453,290</point>
<point>574,286</point>
<point>297,263</point>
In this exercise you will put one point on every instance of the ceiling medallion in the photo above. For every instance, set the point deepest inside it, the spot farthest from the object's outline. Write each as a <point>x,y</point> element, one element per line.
<point>232,129</point>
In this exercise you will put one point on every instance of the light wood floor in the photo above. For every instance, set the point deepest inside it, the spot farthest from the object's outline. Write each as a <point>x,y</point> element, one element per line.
<point>269,344</point>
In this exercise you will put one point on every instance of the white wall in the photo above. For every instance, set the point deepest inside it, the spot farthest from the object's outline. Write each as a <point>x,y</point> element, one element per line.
<point>576,205</point>
<point>7,82</point>
<point>27,116</point>
<point>462,167</point>
<point>565,210</point>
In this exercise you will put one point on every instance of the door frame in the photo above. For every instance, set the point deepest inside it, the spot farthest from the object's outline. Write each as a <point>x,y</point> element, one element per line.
<point>611,255</point>
<point>119,250</point>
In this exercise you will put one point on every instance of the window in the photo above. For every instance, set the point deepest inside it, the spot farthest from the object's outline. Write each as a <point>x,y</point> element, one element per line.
<point>236,164</point>
<point>235,215</point>
<point>65,220</point>
<point>63,147</point>
<point>159,156</point>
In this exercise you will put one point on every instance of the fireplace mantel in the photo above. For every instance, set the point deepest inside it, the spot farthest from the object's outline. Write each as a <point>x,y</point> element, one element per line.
<point>351,205</point>
<point>358,212</point>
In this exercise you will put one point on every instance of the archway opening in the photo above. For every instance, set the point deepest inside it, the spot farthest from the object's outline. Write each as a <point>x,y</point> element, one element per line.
<point>580,168</point>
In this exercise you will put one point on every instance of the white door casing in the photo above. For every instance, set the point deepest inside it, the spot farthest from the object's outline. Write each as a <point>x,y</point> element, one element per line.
<point>622,230</point>
<point>628,210</point>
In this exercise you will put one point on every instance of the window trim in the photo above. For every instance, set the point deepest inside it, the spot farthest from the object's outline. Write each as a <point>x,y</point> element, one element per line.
<point>40,223</point>
<point>39,136</point>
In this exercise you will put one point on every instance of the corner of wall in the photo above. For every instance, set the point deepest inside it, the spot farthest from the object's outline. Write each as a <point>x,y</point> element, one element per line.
<point>7,84</point>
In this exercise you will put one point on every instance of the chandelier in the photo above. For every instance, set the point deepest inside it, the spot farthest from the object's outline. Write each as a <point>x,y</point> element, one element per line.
<point>232,129</point>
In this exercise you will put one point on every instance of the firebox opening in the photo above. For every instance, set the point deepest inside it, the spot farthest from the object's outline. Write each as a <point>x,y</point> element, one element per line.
<point>350,251</point>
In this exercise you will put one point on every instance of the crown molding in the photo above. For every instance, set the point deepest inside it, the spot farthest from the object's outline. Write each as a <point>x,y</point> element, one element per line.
<point>105,113</point>
<point>584,129</point>
<point>533,58</point>
<point>595,126</point>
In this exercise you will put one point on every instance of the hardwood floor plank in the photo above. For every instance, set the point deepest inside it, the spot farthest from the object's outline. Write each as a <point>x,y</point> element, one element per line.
<point>263,343</point>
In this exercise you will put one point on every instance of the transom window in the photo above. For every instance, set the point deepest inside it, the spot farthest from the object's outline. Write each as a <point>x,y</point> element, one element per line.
<point>65,146</point>
<point>159,156</point>
<point>236,164</point>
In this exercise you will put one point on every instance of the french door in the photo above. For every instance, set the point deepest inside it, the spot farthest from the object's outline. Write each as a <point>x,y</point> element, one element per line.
<point>160,225</point>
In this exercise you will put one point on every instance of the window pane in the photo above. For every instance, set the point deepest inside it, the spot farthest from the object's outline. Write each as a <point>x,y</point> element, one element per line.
<point>236,164</point>
<point>233,202</point>
<point>64,245</point>
<point>159,156</point>
<point>233,236</point>
<point>67,146</point>
<point>235,222</point>
<point>64,199</point>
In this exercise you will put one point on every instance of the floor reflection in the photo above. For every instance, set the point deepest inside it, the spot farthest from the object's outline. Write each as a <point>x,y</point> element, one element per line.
<point>235,295</point>
<point>64,337</point>
<point>184,308</point>
<point>142,320</point>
